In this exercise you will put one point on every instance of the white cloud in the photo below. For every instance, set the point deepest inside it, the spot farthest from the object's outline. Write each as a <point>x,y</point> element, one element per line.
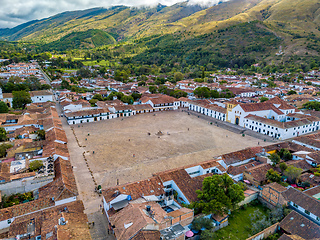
<point>14,12</point>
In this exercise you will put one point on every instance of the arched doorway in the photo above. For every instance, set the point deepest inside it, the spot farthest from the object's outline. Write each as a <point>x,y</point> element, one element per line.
<point>237,121</point>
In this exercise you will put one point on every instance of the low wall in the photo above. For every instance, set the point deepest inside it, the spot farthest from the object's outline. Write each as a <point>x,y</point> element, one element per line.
<point>24,185</point>
<point>249,199</point>
<point>266,203</point>
<point>265,233</point>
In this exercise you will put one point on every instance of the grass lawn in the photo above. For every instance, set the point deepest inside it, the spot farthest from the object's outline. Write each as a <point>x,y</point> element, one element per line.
<point>68,70</point>
<point>102,63</point>
<point>239,223</point>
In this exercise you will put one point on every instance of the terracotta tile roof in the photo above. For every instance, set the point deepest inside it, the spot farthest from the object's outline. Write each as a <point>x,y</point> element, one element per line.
<point>141,107</point>
<point>7,95</point>
<point>136,217</point>
<point>86,112</point>
<point>291,237</point>
<point>284,125</point>
<point>56,134</point>
<point>312,191</point>
<point>239,156</point>
<point>276,186</point>
<point>157,98</point>
<point>210,164</point>
<point>179,212</point>
<point>235,170</point>
<point>24,208</point>
<point>315,157</point>
<point>40,93</point>
<point>255,107</point>
<point>303,200</point>
<point>64,184</point>
<point>300,164</point>
<point>22,131</point>
<point>312,140</point>
<point>296,224</point>
<point>47,222</point>
<point>147,235</point>
<point>186,184</point>
<point>293,147</point>
<point>259,172</point>
<point>309,177</point>
<point>151,186</point>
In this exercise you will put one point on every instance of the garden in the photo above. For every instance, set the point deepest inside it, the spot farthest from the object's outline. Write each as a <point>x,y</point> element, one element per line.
<point>15,199</point>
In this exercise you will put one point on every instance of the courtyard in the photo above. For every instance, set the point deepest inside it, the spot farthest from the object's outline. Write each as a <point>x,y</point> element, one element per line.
<point>129,149</point>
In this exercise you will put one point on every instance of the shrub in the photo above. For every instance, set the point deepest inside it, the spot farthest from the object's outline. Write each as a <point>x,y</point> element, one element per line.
<point>35,165</point>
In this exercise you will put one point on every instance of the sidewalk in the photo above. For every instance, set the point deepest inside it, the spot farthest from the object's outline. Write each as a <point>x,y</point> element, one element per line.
<point>232,127</point>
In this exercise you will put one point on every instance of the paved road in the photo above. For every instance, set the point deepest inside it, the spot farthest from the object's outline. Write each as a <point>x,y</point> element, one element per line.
<point>46,77</point>
<point>86,185</point>
<point>232,127</point>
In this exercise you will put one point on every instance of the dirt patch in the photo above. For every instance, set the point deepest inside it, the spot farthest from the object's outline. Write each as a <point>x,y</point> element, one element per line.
<point>134,148</point>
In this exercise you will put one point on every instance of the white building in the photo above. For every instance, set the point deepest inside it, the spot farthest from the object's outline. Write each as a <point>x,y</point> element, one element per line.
<point>36,97</point>
<point>274,118</point>
<point>208,109</point>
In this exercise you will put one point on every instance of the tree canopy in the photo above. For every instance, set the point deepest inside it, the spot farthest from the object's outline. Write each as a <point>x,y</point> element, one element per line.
<point>3,135</point>
<point>312,105</point>
<point>3,107</point>
<point>275,158</point>
<point>20,99</point>
<point>219,194</point>
<point>273,175</point>
<point>292,173</point>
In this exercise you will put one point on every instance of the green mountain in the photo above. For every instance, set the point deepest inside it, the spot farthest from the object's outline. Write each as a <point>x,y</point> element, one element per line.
<point>292,25</point>
<point>85,39</point>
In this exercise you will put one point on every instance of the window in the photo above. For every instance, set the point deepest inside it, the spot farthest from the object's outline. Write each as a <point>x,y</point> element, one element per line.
<point>307,212</point>
<point>9,221</point>
<point>295,205</point>
<point>196,172</point>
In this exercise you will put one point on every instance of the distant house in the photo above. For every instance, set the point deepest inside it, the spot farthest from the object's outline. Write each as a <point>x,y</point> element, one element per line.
<point>36,97</point>
<point>160,102</point>
<point>297,227</point>
<point>272,193</point>
<point>257,175</point>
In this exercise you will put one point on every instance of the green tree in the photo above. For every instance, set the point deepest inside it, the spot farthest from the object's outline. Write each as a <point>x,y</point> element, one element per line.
<point>312,105</point>
<point>65,85</point>
<point>152,89</point>
<point>202,92</point>
<point>273,175</point>
<point>285,154</point>
<point>3,149</point>
<point>93,102</point>
<point>201,222</point>
<point>41,134</point>
<point>20,99</point>
<point>3,135</point>
<point>178,76</point>
<point>3,107</point>
<point>283,166</point>
<point>136,96</point>
<point>33,83</point>
<point>292,173</point>
<point>219,194</point>
<point>291,92</point>
<point>258,222</point>
<point>207,235</point>
<point>35,165</point>
<point>98,97</point>
<point>263,99</point>
<point>275,158</point>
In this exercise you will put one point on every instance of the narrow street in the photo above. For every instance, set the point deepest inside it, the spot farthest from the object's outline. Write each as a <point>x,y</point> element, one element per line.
<point>86,186</point>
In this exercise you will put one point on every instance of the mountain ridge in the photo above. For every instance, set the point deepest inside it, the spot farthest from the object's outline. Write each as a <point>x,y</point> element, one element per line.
<point>296,22</point>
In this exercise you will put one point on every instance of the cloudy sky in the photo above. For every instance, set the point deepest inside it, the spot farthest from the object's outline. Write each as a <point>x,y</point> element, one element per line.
<point>15,12</point>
